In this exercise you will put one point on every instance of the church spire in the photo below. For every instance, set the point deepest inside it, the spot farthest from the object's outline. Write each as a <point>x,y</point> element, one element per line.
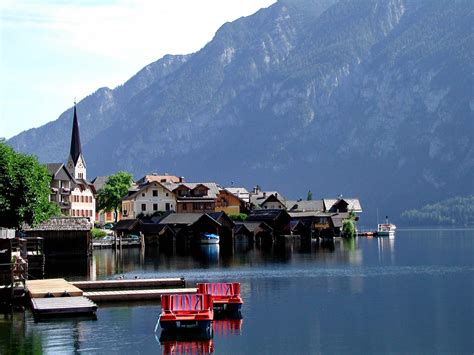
<point>76,150</point>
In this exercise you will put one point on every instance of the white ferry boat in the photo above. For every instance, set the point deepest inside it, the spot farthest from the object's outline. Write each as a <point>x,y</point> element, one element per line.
<point>386,230</point>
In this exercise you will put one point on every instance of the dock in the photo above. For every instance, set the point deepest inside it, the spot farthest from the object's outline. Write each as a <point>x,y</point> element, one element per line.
<point>134,283</point>
<point>57,297</point>
<point>52,288</point>
<point>135,295</point>
<point>56,306</point>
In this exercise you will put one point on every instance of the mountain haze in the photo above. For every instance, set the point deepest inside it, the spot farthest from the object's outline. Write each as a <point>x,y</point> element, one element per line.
<point>371,99</point>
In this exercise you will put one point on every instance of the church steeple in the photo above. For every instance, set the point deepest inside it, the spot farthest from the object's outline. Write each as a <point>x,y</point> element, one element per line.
<point>76,150</point>
<point>76,164</point>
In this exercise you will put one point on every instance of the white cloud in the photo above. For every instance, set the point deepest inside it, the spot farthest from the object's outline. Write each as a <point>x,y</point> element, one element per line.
<point>79,46</point>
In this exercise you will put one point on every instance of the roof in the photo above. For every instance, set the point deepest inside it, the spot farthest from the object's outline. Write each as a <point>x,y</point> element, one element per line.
<point>212,192</point>
<point>219,215</point>
<point>53,168</point>
<point>265,215</point>
<point>298,214</point>
<point>126,224</point>
<point>274,198</point>
<point>185,218</point>
<point>353,204</point>
<point>338,218</point>
<point>133,193</point>
<point>303,205</point>
<point>157,228</point>
<point>159,178</point>
<point>251,226</point>
<point>76,149</point>
<point>63,224</point>
<point>261,196</point>
<point>240,192</point>
<point>99,182</point>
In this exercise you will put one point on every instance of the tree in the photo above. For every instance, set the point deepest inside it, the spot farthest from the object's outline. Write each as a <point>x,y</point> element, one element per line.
<point>25,186</point>
<point>115,188</point>
<point>309,197</point>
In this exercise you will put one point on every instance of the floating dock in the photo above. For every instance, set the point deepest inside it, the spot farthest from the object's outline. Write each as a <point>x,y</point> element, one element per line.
<point>52,288</point>
<point>134,283</point>
<point>57,297</point>
<point>56,306</point>
<point>135,295</point>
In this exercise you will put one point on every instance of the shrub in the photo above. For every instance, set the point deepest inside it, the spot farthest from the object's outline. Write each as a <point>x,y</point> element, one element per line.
<point>98,233</point>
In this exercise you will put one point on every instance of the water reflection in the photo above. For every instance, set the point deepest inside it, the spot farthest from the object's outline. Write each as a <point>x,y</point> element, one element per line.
<point>137,262</point>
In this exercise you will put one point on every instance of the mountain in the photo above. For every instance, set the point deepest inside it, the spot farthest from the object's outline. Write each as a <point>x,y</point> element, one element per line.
<point>371,99</point>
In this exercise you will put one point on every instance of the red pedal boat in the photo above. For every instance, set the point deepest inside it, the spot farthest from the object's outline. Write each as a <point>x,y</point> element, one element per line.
<point>225,296</point>
<point>186,311</point>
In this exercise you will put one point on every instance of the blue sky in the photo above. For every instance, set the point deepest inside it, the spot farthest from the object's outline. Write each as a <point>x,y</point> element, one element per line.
<point>54,51</point>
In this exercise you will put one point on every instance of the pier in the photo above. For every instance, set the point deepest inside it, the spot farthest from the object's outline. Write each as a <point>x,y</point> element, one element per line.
<point>58,297</point>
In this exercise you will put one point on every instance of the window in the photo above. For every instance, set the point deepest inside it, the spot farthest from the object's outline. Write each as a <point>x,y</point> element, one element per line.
<point>167,194</point>
<point>143,194</point>
<point>81,175</point>
<point>155,193</point>
<point>143,206</point>
<point>155,207</point>
<point>167,206</point>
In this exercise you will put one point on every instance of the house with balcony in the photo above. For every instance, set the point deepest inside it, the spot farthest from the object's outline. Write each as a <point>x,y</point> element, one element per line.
<point>194,197</point>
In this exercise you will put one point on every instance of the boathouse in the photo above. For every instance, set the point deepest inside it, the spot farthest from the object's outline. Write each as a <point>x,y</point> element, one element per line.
<point>261,231</point>
<point>190,226</point>
<point>63,236</point>
<point>277,219</point>
<point>227,226</point>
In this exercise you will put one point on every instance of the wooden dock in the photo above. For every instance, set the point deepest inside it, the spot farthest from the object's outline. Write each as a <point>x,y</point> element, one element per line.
<point>51,287</point>
<point>57,306</point>
<point>135,295</point>
<point>131,284</point>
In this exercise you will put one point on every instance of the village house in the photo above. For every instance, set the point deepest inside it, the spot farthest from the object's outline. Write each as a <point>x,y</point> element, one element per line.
<point>194,197</point>
<point>240,192</point>
<point>147,199</point>
<point>230,204</point>
<point>264,199</point>
<point>69,186</point>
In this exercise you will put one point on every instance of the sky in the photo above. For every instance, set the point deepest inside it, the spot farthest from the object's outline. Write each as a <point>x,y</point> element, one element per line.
<point>54,51</point>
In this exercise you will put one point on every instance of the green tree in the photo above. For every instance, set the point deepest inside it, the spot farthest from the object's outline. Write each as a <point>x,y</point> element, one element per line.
<point>25,186</point>
<point>309,197</point>
<point>116,187</point>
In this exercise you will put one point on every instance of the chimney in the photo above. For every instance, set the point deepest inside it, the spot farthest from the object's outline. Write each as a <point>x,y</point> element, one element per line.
<point>181,178</point>
<point>264,194</point>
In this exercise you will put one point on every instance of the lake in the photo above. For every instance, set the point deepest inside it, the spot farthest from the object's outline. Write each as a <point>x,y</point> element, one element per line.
<point>413,294</point>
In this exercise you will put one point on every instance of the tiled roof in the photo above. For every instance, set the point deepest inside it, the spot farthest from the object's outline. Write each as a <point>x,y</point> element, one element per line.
<point>62,223</point>
<point>304,205</point>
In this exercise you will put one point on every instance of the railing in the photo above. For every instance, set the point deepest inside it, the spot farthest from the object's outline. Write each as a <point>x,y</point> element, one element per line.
<point>65,191</point>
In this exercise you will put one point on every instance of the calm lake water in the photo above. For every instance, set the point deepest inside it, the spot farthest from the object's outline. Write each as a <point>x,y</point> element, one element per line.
<point>414,294</point>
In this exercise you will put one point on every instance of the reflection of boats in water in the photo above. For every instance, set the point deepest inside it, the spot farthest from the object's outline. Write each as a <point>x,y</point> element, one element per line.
<point>209,238</point>
<point>173,342</point>
<point>224,327</point>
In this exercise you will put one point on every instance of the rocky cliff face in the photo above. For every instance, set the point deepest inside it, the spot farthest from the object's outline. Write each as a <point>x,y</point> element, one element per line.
<point>369,98</point>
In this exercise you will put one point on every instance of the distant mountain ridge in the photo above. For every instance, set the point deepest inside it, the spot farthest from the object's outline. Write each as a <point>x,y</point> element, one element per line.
<point>370,98</point>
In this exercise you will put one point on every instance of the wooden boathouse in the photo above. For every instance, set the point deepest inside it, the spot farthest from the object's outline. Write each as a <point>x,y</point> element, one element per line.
<point>63,236</point>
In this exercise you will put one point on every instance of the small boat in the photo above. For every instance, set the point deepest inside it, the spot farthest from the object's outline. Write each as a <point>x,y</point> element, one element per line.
<point>225,296</point>
<point>186,312</point>
<point>386,230</point>
<point>209,238</point>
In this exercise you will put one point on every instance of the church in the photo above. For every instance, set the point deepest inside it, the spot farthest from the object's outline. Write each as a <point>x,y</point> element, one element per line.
<point>69,186</point>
